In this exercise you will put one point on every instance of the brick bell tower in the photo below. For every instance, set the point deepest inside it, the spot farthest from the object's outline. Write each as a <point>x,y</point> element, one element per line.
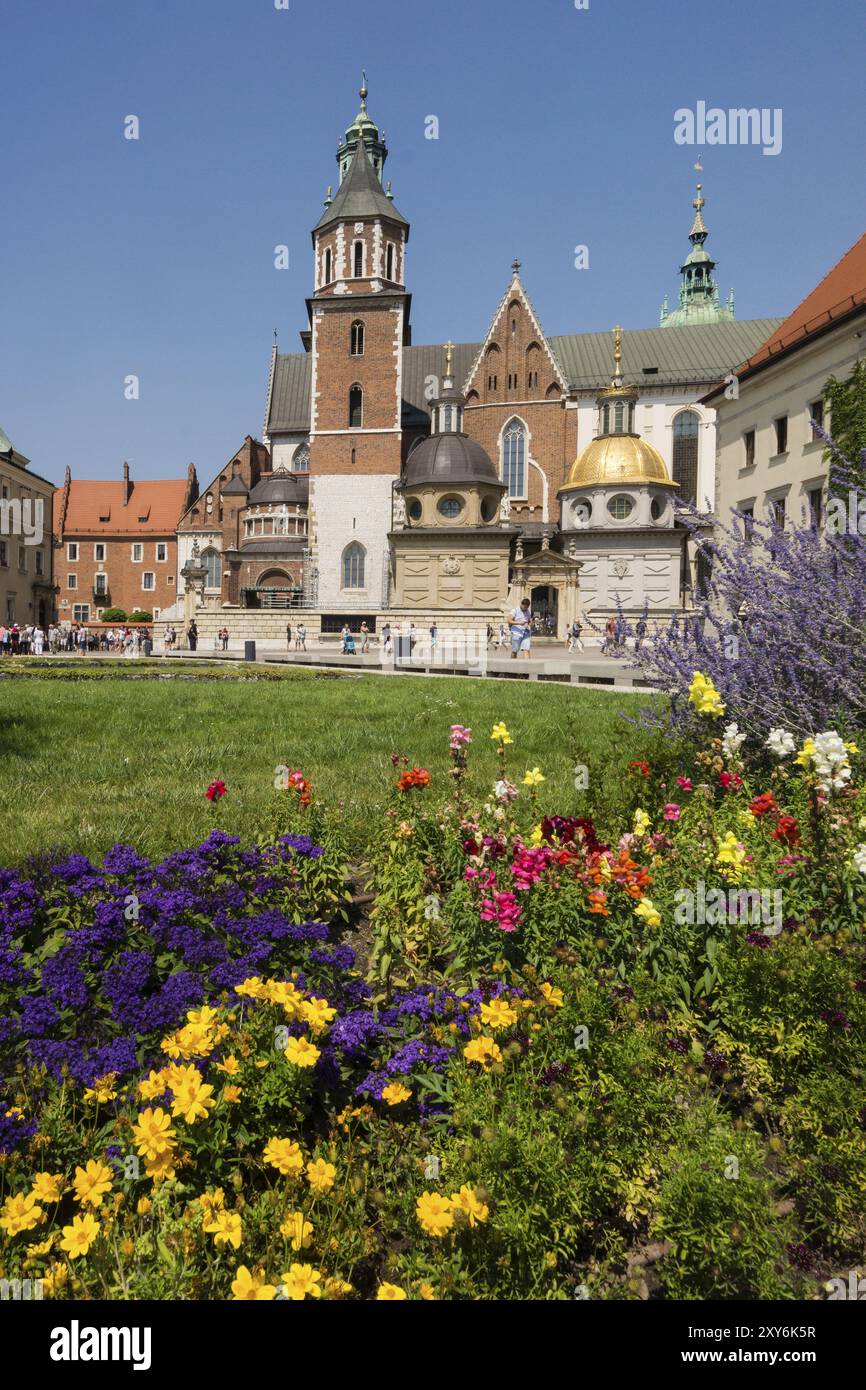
<point>359,319</point>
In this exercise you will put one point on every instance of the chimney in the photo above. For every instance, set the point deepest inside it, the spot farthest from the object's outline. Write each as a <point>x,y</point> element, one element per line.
<point>126,484</point>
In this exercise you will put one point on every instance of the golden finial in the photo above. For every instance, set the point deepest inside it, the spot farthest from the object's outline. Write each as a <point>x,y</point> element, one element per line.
<point>449,349</point>
<point>363,92</point>
<point>617,356</point>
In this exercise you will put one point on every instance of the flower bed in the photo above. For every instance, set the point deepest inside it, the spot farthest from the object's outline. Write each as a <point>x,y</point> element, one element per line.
<point>561,1058</point>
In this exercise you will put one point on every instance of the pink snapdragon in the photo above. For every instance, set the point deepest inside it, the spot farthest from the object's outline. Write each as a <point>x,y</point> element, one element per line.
<point>460,736</point>
<point>503,909</point>
<point>685,783</point>
<point>529,865</point>
<point>671,811</point>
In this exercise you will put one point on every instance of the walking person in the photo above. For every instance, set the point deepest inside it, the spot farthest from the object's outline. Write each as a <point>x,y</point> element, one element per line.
<point>82,641</point>
<point>225,639</point>
<point>386,639</point>
<point>434,637</point>
<point>288,637</point>
<point>521,630</point>
<point>300,638</point>
<point>574,639</point>
<point>192,635</point>
<point>640,634</point>
<point>365,638</point>
<point>609,636</point>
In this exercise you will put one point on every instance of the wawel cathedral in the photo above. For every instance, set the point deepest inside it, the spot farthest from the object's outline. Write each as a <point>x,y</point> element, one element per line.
<point>447,482</point>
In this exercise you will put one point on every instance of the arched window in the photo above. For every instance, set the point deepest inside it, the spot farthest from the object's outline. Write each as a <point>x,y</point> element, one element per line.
<point>514,458</point>
<point>685,460</point>
<point>356,408</point>
<point>354,557</point>
<point>359,259</point>
<point>301,459</point>
<point>357,339</point>
<point>389,261</point>
<point>329,261</point>
<point>212,562</point>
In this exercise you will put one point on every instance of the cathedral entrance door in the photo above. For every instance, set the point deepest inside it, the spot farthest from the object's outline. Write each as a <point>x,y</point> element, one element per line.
<point>544,601</point>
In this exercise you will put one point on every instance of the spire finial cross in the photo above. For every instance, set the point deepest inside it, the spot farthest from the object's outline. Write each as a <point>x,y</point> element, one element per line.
<point>515,266</point>
<point>449,349</point>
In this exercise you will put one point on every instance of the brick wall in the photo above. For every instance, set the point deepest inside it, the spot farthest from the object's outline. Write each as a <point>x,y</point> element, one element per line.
<point>124,575</point>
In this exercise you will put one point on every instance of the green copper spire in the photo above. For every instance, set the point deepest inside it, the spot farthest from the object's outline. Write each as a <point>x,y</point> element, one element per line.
<point>365,130</point>
<point>699,297</point>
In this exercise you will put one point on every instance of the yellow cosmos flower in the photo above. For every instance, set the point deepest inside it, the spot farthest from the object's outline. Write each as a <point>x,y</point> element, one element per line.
<point>252,988</point>
<point>161,1168</point>
<point>501,735</point>
<point>468,1203</point>
<point>482,1050</point>
<point>144,1206</point>
<point>321,1175</point>
<point>498,1014</point>
<point>231,1066</point>
<point>284,1155</point>
<point>551,994</point>
<point>153,1133</point>
<point>649,913</point>
<point>317,1013</point>
<point>54,1279</point>
<point>193,1103</point>
<point>211,1202</point>
<point>153,1085</point>
<point>225,1227</point>
<point>301,1053</point>
<point>47,1187</point>
<point>78,1238</point>
<point>42,1247</point>
<point>302,1281</point>
<point>337,1288</point>
<point>297,1230</point>
<point>247,1287</point>
<point>91,1183</point>
<point>390,1293</point>
<point>534,778</point>
<point>426,1292</point>
<point>232,1094</point>
<point>20,1213</point>
<point>102,1089</point>
<point>205,1016</point>
<point>435,1213</point>
<point>396,1093</point>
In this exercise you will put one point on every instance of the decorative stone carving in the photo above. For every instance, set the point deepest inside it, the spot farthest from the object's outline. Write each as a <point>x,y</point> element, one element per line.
<point>399,510</point>
<point>451,565</point>
<point>505,508</point>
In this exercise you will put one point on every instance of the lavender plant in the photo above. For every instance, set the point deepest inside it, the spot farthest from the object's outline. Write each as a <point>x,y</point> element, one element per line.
<point>780,623</point>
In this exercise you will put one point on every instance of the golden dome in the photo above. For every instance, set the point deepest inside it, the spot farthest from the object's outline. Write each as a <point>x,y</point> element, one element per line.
<point>618,458</point>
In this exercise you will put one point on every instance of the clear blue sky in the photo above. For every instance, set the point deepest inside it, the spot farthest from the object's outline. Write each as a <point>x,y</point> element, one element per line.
<point>155,257</point>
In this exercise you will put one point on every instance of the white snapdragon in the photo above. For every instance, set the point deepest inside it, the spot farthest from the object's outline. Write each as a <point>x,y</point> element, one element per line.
<point>859,859</point>
<point>732,740</point>
<point>830,760</point>
<point>780,742</point>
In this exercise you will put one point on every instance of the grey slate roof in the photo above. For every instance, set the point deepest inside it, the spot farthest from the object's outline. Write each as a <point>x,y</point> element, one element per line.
<point>694,355</point>
<point>360,195</point>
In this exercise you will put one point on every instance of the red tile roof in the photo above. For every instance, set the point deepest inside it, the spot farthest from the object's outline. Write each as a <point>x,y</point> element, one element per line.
<point>842,290</point>
<point>160,503</point>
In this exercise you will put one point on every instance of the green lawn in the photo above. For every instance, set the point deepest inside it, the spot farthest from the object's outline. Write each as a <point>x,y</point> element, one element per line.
<point>86,763</point>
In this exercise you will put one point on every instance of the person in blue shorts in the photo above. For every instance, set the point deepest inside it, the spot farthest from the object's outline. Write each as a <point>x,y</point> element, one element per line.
<point>521,630</point>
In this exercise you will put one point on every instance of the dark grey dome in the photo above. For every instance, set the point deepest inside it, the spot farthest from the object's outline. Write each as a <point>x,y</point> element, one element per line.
<point>449,458</point>
<point>278,487</point>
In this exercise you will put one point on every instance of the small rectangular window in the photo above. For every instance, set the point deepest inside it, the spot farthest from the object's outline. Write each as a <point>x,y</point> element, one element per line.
<point>4,555</point>
<point>815,498</point>
<point>749,446</point>
<point>777,512</point>
<point>81,612</point>
<point>100,584</point>
<point>72,550</point>
<point>137,552</point>
<point>99,552</point>
<point>161,552</point>
<point>40,562</point>
<point>22,557</point>
<point>72,581</point>
<point>148,580</point>
<point>781,428</point>
<point>816,419</point>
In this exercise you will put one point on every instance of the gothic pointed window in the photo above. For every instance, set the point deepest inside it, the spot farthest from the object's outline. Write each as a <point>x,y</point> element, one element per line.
<point>213,564</point>
<point>685,457</point>
<point>301,459</point>
<point>328,266</point>
<point>389,262</point>
<point>356,408</point>
<point>357,339</point>
<point>359,259</point>
<point>354,557</point>
<point>514,458</point>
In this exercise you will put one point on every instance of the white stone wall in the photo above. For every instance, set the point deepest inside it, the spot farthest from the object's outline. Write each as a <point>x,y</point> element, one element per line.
<point>629,569</point>
<point>283,447</point>
<point>350,509</point>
